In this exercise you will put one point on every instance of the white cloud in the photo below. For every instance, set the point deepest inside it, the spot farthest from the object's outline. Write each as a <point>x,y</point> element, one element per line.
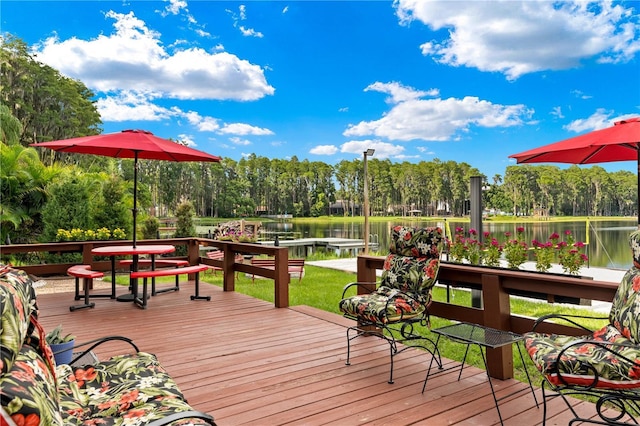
<point>187,140</point>
<point>399,93</point>
<point>203,124</point>
<point>285,10</point>
<point>241,16</point>
<point>174,7</point>
<point>557,112</point>
<point>250,32</point>
<point>383,149</point>
<point>425,150</point>
<point>438,119</point>
<point>239,141</point>
<point>598,120</point>
<point>521,37</point>
<point>324,150</point>
<point>128,106</point>
<point>132,58</point>
<point>579,94</point>
<point>244,129</point>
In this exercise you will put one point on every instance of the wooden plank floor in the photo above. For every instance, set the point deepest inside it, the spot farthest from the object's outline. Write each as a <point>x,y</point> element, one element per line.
<point>246,362</point>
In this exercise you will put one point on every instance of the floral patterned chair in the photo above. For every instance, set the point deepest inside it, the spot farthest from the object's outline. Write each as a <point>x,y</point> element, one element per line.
<point>403,295</point>
<point>131,389</point>
<point>604,364</point>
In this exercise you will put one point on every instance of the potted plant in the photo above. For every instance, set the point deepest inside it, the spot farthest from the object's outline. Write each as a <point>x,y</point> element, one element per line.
<point>61,345</point>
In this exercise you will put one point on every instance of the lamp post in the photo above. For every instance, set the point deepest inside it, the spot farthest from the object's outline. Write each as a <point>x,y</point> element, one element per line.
<point>368,153</point>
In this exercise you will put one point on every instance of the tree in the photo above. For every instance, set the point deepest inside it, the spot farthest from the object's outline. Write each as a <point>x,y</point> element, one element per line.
<point>10,127</point>
<point>110,210</point>
<point>23,181</point>
<point>68,206</point>
<point>48,105</point>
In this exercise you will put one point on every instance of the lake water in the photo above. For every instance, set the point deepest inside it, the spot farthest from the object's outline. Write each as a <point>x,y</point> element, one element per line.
<point>607,247</point>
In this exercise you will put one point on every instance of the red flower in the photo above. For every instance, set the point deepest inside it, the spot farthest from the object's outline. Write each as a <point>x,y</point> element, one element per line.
<point>28,420</point>
<point>634,371</point>
<point>81,375</point>
<point>133,414</point>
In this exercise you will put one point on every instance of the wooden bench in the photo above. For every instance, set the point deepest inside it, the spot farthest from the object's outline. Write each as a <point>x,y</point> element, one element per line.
<point>195,269</point>
<point>294,266</point>
<point>219,255</point>
<point>157,263</point>
<point>87,275</point>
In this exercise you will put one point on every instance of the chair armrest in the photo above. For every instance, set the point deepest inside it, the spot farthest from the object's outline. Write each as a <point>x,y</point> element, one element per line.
<point>567,318</point>
<point>355,284</point>
<point>97,342</point>
<point>184,415</point>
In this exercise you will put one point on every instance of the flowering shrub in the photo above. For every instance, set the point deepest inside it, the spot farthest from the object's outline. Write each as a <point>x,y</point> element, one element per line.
<point>470,250</point>
<point>492,250</point>
<point>570,256</point>
<point>77,234</point>
<point>545,252</point>
<point>515,250</point>
<point>237,236</point>
<point>457,246</point>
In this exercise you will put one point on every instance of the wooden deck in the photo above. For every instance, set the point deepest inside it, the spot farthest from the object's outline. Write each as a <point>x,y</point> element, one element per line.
<point>246,362</point>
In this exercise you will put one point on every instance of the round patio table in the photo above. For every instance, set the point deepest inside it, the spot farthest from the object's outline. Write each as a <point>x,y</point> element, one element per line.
<point>135,252</point>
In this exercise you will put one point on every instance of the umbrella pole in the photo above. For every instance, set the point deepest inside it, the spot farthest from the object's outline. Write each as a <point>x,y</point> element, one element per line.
<point>135,196</point>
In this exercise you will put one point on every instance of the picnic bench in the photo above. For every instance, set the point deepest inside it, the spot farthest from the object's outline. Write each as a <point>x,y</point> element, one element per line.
<point>294,266</point>
<point>131,388</point>
<point>219,255</point>
<point>87,275</point>
<point>144,274</point>
<point>157,263</point>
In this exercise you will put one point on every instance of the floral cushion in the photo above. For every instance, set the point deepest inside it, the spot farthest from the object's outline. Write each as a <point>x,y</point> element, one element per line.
<point>577,363</point>
<point>407,280</point>
<point>126,389</point>
<point>28,391</point>
<point>17,303</point>
<point>416,242</point>
<point>626,303</point>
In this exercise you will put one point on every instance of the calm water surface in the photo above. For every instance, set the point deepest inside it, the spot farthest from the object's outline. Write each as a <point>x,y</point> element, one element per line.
<point>607,240</point>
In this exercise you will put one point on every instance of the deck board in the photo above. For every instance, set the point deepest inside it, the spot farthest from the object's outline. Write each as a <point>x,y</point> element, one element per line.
<point>246,362</point>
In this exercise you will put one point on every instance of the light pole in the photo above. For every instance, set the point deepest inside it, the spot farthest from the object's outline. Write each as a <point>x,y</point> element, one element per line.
<point>368,153</point>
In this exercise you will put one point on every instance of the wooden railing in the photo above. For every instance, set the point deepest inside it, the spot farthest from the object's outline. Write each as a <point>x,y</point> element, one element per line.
<point>496,285</point>
<point>280,274</point>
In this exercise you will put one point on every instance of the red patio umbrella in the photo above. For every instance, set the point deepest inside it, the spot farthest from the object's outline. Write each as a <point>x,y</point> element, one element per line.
<point>621,142</point>
<point>130,144</point>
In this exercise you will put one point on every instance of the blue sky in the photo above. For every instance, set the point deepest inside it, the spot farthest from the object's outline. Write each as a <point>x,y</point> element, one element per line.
<point>325,80</point>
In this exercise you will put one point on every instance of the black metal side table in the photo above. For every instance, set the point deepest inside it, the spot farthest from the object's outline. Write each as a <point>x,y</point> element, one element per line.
<point>484,337</point>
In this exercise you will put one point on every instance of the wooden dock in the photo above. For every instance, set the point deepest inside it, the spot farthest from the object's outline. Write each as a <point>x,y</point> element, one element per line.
<point>337,245</point>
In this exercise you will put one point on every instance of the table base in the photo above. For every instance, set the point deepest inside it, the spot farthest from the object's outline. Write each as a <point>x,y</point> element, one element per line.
<point>483,337</point>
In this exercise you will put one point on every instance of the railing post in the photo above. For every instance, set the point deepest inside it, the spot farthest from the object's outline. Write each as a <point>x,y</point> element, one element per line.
<point>496,315</point>
<point>87,257</point>
<point>282,278</point>
<point>228,272</point>
<point>366,274</point>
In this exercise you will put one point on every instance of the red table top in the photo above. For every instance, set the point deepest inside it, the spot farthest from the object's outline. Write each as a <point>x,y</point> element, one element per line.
<point>130,250</point>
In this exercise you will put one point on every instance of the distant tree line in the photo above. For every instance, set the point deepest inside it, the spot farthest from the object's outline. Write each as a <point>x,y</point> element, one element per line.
<point>44,190</point>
